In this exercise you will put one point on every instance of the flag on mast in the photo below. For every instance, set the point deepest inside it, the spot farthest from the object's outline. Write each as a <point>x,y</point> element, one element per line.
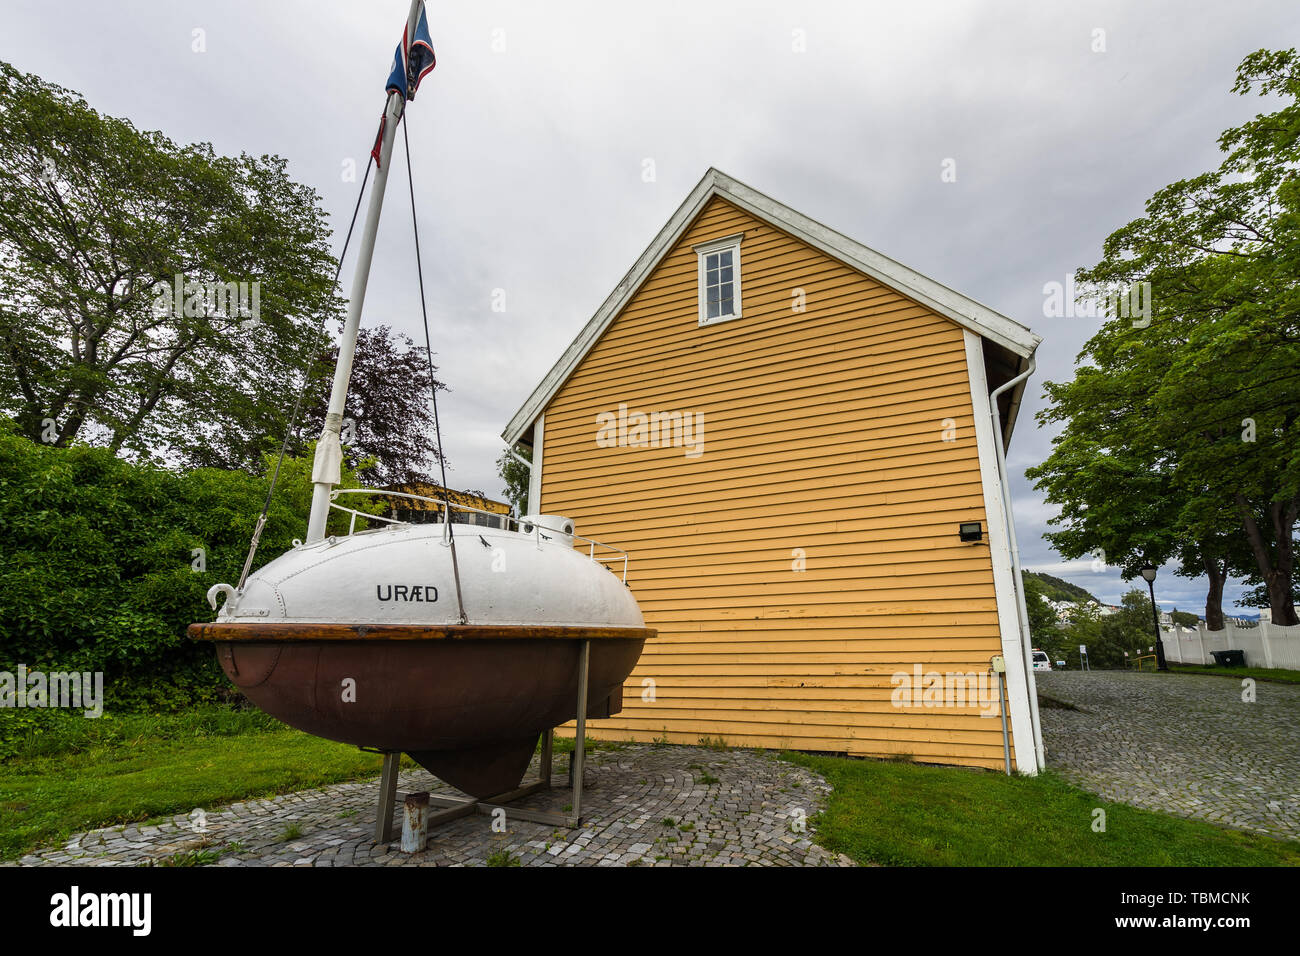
<point>412,62</point>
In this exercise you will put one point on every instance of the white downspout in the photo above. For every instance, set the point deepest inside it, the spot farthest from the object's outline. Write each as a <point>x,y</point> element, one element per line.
<point>1017,580</point>
<point>535,469</point>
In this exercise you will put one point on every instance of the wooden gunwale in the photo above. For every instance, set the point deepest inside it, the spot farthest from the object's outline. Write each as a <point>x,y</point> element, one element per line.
<point>287,631</point>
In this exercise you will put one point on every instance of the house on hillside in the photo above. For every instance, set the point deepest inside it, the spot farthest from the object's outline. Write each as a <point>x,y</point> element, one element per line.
<point>793,438</point>
<point>1063,609</point>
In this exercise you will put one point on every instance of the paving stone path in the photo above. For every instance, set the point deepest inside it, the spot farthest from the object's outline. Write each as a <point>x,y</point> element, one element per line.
<point>643,805</point>
<point>1183,743</point>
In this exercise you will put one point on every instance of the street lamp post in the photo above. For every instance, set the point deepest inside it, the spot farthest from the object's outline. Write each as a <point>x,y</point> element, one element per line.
<point>1149,574</point>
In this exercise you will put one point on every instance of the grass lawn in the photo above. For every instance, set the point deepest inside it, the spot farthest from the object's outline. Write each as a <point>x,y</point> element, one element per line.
<point>906,814</point>
<point>1278,674</point>
<point>83,774</point>
<point>86,774</point>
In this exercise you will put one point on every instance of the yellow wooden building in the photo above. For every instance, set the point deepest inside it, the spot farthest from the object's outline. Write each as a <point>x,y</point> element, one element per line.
<point>786,430</point>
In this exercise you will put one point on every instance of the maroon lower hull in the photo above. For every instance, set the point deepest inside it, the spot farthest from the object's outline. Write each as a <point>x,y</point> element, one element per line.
<point>468,710</point>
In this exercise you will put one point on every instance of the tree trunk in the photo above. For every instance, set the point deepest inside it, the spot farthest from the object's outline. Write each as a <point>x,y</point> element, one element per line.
<point>1216,571</point>
<point>1276,568</point>
<point>71,425</point>
<point>1281,604</point>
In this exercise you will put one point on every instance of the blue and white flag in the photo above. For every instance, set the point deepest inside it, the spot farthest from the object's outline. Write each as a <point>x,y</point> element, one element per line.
<point>413,60</point>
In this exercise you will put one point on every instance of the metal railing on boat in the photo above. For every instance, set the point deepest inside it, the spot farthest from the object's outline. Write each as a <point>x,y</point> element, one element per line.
<point>447,508</point>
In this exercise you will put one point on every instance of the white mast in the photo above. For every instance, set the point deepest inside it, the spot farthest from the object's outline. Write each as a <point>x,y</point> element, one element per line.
<point>326,470</point>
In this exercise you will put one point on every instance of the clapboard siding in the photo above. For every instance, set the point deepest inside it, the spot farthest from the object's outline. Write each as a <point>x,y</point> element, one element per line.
<point>822,434</point>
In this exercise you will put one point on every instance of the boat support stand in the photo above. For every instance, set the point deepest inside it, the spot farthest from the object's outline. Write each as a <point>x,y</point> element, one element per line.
<point>457,807</point>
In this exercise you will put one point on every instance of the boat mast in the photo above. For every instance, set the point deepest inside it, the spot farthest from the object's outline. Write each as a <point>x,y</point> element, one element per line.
<point>327,468</point>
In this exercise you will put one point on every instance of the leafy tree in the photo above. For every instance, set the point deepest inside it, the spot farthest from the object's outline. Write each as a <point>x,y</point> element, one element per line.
<point>516,476</point>
<point>1134,620</point>
<point>1257,595</point>
<point>98,220</point>
<point>389,409</point>
<point>1122,500</point>
<point>1044,629</point>
<point>1182,439</point>
<point>104,563</point>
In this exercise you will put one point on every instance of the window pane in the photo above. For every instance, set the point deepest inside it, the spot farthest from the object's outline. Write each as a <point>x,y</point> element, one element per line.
<point>721,272</point>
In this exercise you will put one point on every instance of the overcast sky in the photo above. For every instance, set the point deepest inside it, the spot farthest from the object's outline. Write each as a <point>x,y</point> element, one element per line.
<point>531,136</point>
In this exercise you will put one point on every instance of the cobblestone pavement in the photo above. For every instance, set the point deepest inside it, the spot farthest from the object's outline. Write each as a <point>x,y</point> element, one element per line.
<point>643,805</point>
<point>1183,743</point>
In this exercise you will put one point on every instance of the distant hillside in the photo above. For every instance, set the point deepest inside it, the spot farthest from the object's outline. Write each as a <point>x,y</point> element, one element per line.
<point>1059,590</point>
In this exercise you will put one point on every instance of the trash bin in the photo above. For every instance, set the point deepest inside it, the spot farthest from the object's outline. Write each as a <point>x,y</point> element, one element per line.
<point>1229,658</point>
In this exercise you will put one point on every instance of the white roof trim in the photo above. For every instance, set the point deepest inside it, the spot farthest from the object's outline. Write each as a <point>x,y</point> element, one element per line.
<point>966,312</point>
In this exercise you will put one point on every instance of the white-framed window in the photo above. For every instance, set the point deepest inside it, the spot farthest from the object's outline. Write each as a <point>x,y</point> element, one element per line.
<point>719,268</point>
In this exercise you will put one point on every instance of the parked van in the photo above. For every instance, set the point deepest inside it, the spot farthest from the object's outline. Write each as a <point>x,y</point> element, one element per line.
<point>1041,661</point>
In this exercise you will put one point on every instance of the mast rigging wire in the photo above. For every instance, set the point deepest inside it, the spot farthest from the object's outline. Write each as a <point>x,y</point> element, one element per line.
<point>433,385</point>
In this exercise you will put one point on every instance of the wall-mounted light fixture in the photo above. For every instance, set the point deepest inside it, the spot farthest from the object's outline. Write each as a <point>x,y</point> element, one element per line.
<point>971,531</point>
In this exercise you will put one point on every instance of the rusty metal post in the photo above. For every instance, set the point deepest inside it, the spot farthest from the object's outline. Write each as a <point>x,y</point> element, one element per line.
<point>415,822</point>
<point>548,752</point>
<point>387,797</point>
<point>578,759</point>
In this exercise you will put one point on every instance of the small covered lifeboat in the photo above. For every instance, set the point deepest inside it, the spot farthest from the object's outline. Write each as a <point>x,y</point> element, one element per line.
<point>366,639</point>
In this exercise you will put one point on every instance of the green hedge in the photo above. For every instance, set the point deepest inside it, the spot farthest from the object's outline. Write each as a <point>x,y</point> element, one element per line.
<point>97,566</point>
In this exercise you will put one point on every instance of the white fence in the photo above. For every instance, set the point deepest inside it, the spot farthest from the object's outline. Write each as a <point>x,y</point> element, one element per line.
<point>1265,644</point>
